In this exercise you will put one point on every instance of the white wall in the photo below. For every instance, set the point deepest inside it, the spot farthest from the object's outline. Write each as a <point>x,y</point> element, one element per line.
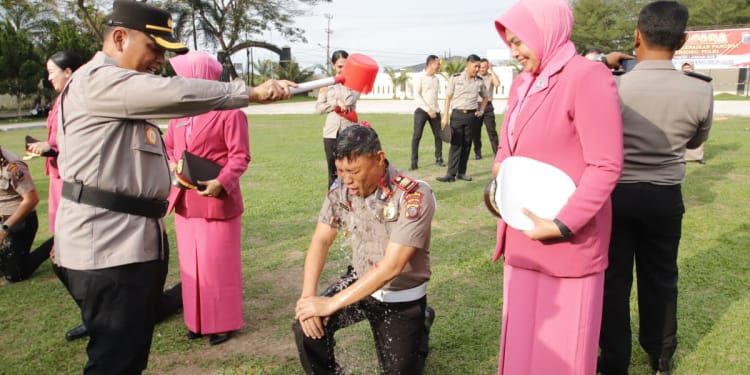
<point>383,87</point>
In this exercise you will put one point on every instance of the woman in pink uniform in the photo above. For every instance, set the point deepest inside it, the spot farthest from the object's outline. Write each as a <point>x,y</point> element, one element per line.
<point>563,110</point>
<point>209,222</point>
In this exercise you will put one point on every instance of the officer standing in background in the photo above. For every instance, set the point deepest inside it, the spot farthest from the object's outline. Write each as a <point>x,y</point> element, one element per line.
<point>488,118</point>
<point>386,217</point>
<point>663,112</point>
<point>462,95</point>
<point>18,200</point>
<point>426,88</point>
<point>110,235</point>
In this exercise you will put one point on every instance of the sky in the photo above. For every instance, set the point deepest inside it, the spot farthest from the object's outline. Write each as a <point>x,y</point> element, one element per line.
<point>396,33</point>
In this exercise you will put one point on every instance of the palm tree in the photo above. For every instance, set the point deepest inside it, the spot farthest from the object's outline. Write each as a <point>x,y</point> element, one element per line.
<point>399,79</point>
<point>453,66</point>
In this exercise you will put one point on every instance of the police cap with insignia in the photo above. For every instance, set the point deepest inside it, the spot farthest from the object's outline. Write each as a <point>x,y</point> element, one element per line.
<point>192,168</point>
<point>154,22</point>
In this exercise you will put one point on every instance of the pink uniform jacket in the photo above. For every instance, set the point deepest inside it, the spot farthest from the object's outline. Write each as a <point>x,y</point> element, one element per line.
<point>222,137</point>
<point>564,127</point>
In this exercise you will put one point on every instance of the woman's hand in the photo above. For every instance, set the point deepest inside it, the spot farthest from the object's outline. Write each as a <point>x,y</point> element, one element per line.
<point>213,188</point>
<point>38,148</point>
<point>544,229</point>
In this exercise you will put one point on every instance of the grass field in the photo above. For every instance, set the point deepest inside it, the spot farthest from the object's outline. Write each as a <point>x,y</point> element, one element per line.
<point>283,189</point>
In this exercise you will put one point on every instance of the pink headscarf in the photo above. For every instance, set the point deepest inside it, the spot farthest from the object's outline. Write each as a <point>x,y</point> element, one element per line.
<point>545,27</point>
<point>196,64</point>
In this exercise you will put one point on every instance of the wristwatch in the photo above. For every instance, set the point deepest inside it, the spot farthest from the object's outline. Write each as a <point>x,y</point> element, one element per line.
<point>602,58</point>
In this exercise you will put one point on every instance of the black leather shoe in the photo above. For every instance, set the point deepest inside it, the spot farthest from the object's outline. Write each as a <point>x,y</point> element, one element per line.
<point>76,333</point>
<point>661,366</point>
<point>464,177</point>
<point>218,338</point>
<point>193,335</point>
<point>478,157</point>
<point>446,178</point>
<point>440,163</point>
<point>413,166</point>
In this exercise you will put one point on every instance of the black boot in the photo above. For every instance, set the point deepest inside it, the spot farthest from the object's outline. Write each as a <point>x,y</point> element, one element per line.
<point>76,333</point>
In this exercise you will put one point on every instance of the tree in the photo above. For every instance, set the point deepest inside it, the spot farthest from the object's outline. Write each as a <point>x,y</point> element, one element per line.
<point>399,79</point>
<point>291,71</point>
<point>453,66</point>
<point>232,25</point>
<point>718,12</point>
<point>20,65</point>
<point>605,24</point>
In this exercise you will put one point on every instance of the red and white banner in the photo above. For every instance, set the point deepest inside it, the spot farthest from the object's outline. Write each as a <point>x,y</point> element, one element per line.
<point>716,49</point>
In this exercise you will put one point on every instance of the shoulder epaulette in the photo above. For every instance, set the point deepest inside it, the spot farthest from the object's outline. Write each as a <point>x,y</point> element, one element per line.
<point>699,76</point>
<point>405,183</point>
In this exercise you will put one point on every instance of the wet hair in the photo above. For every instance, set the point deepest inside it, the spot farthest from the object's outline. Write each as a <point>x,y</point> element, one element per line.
<point>357,140</point>
<point>473,58</point>
<point>339,54</point>
<point>67,60</point>
<point>590,50</point>
<point>662,23</point>
<point>430,59</point>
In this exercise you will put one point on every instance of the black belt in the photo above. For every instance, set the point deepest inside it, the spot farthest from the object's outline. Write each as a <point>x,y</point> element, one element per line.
<point>465,111</point>
<point>76,192</point>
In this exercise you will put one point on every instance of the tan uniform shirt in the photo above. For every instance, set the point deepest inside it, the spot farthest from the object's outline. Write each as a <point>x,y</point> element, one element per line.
<point>426,88</point>
<point>106,142</point>
<point>663,111</point>
<point>489,87</point>
<point>388,215</point>
<point>15,181</point>
<point>465,91</point>
<point>328,100</point>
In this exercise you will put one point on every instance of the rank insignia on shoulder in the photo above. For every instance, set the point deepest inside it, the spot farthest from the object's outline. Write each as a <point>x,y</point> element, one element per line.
<point>11,167</point>
<point>322,90</point>
<point>413,204</point>
<point>405,183</point>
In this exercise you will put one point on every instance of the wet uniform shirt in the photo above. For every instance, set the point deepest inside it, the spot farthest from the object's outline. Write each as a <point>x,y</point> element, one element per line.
<point>399,211</point>
<point>15,181</point>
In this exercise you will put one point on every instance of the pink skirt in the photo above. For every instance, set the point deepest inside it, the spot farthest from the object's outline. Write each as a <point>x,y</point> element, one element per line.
<point>55,191</point>
<point>211,273</point>
<point>550,324</point>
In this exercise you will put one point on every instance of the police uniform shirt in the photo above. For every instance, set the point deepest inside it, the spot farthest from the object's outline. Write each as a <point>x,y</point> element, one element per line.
<point>426,89</point>
<point>328,101</point>
<point>465,91</point>
<point>15,181</point>
<point>106,142</point>
<point>390,214</point>
<point>489,87</point>
<point>663,110</point>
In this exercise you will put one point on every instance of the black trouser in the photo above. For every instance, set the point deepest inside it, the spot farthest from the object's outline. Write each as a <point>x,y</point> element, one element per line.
<point>420,118</point>
<point>463,123</point>
<point>488,118</point>
<point>329,146</point>
<point>17,262</point>
<point>398,329</point>
<point>646,228</point>
<point>119,308</point>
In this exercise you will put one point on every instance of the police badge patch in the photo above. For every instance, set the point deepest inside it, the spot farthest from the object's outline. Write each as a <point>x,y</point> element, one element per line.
<point>413,204</point>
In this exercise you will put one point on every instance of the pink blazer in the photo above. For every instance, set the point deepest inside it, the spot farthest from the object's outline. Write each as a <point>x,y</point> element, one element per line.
<point>50,164</point>
<point>574,124</point>
<point>220,136</point>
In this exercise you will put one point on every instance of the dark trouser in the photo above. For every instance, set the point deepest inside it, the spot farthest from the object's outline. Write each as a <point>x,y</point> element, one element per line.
<point>646,227</point>
<point>17,262</point>
<point>119,308</point>
<point>329,146</point>
<point>420,118</point>
<point>488,118</point>
<point>463,125</point>
<point>169,303</point>
<point>398,329</point>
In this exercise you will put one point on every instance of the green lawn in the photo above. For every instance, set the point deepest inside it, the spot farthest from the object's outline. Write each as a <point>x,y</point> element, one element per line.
<point>283,190</point>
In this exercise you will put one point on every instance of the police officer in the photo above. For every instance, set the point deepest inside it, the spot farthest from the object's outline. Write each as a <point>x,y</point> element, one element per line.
<point>663,112</point>
<point>339,104</point>
<point>462,95</point>
<point>109,233</point>
<point>386,217</point>
<point>426,88</point>
<point>18,200</point>
<point>491,81</point>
